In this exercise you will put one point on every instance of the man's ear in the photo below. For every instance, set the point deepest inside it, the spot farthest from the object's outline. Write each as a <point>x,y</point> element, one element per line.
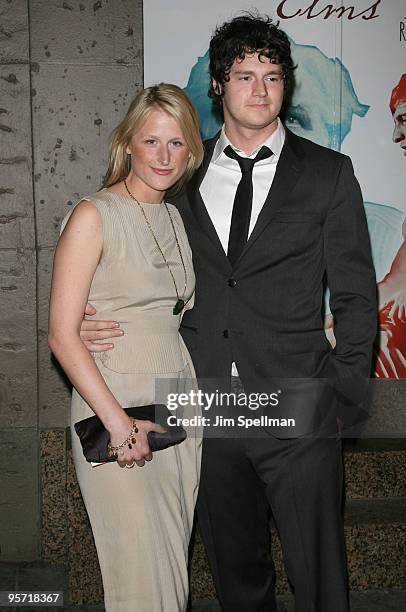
<point>217,87</point>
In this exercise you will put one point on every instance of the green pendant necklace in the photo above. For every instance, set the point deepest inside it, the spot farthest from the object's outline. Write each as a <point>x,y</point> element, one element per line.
<point>180,302</point>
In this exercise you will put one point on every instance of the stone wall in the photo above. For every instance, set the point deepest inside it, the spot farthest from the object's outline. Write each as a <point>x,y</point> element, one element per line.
<point>67,73</point>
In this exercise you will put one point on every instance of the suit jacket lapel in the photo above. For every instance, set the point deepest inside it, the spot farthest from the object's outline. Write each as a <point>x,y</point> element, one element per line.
<point>196,201</point>
<point>287,173</point>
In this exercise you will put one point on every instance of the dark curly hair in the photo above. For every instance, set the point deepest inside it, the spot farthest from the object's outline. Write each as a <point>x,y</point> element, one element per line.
<point>248,33</point>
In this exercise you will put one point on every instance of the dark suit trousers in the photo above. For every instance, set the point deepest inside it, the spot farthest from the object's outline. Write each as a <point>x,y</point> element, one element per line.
<point>300,481</point>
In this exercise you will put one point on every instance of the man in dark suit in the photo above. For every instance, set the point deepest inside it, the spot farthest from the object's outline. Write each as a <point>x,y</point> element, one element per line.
<point>271,218</point>
<point>259,301</point>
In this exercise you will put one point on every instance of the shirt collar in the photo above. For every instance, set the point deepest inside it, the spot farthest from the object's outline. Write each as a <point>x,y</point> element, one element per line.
<point>275,142</point>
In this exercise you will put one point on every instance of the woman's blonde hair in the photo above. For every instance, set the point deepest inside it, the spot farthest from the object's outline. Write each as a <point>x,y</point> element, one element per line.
<point>175,102</point>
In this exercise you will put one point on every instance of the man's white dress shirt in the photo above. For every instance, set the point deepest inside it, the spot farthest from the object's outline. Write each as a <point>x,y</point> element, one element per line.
<point>223,175</point>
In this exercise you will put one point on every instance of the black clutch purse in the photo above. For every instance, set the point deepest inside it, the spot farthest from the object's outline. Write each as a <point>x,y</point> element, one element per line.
<point>95,438</point>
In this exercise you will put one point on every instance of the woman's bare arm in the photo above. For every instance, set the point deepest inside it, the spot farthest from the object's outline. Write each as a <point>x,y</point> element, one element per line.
<point>77,255</point>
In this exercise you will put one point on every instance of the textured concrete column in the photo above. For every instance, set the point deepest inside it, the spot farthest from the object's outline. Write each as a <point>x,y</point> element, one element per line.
<point>19,514</point>
<point>67,73</point>
<point>86,66</point>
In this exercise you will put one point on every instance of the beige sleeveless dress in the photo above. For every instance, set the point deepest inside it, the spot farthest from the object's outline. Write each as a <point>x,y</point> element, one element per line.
<point>142,517</point>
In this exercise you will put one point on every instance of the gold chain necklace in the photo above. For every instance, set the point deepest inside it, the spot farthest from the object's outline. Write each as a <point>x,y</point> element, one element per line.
<point>180,303</point>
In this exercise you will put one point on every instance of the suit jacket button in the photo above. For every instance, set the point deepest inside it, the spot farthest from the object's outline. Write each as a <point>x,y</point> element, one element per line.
<point>232,282</point>
<point>225,333</point>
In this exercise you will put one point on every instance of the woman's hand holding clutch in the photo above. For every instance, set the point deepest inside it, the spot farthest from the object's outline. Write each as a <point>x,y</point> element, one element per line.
<point>131,452</point>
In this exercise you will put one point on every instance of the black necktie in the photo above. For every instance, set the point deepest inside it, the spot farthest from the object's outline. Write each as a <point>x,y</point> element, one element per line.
<point>240,219</point>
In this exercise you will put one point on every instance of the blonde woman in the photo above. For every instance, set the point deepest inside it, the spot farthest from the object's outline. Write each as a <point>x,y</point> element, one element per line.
<point>125,250</point>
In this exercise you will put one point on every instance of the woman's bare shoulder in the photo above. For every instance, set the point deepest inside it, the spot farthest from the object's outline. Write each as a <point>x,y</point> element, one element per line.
<point>84,214</point>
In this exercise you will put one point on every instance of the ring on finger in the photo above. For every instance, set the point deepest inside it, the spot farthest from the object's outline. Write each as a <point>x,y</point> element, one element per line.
<point>131,465</point>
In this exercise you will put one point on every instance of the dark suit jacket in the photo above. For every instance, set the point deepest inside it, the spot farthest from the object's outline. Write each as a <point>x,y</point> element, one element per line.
<point>266,312</point>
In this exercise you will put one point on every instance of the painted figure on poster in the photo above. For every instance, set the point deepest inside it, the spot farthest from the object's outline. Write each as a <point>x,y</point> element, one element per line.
<point>391,358</point>
<point>398,108</point>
